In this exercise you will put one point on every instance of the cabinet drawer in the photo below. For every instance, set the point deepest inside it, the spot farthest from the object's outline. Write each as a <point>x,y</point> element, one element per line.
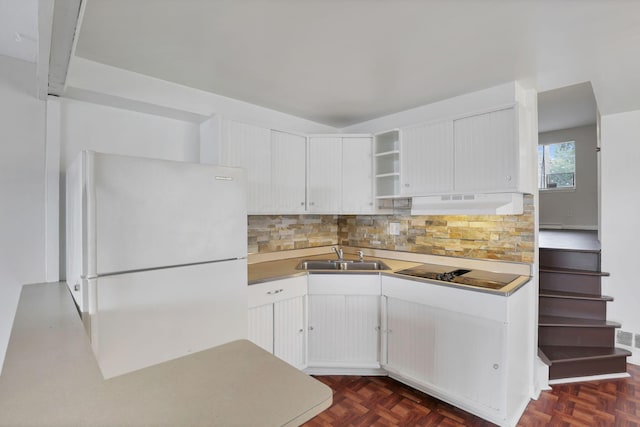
<point>277,290</point>
<point>344,284</point>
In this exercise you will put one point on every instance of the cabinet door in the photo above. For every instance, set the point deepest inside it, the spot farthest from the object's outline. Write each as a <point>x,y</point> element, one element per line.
<point>325,174</point>
<point>261,326</point>
<point>344,330</point>
<point>288,330</point>
<point>486,152</point>
<point>469,358</point>
<point>410,331</point>
<point>426,159</point>
<point>249,147</point>
<point>357,182</point>
<point>288,165</point>
<point>361,329</point>
<point>326,329</point>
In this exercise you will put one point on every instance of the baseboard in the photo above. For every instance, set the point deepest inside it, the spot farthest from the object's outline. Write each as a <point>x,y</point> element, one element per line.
<point>568,227</point>
<point>377,372</point>
<point>589,378</point>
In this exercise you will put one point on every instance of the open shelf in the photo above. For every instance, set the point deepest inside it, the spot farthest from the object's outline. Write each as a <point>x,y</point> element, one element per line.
<point>387,164</point>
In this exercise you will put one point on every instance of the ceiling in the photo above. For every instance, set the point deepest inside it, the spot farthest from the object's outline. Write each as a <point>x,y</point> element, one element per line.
<point>566,107</point>
<point>340,62</point>
<point>19,29</point>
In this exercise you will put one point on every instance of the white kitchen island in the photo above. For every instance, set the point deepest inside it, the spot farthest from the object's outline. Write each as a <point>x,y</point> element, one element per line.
<point>51,378</point>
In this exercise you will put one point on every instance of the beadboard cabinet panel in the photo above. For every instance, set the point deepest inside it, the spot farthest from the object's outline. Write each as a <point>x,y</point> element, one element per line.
<point>357,178</point>
<point>480,378</point>
<point>426,158</point>
<point>326,326</point>
<point>277,318</point>
<point>410,330</point>
<point>362,325</point>
<point>288,330</point>
<point>344,320</point>
<point>288,166</point>
<point>249,147</point>
<point>261,326</point>
<point>486,152</point>
<point>325,175</point>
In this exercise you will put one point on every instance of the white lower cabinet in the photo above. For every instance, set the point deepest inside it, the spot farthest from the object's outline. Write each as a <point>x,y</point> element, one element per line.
<point>277,318</point>
<point>261,326</point>
<point>409,338</point>
<point>469,355</point>
<point>288,331</point>
<point>471,349</point>
<point>458,354</point>
<point>468,348</point>
<point>344,321</point>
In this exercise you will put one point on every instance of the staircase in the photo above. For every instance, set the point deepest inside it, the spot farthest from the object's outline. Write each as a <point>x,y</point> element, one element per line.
<point>574,337</point>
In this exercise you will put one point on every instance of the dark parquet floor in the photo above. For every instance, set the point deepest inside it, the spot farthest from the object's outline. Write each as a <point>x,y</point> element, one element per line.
<point>381,401</point>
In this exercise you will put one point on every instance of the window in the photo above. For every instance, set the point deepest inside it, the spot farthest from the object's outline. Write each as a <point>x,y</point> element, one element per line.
<point>557,165</point>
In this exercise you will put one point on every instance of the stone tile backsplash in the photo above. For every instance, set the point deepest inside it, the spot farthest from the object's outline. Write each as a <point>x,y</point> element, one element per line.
<point>499,237</point>
<point>272,233</point>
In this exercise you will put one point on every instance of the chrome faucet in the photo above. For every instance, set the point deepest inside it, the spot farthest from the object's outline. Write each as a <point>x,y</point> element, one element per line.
<point>338,252</point>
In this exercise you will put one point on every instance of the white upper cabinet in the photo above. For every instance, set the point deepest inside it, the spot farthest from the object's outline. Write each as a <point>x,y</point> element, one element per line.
<point>325,174</point>
<point>426,153</point>
<point>275,163</point>
<point>288,166</point>
<point>331,174</point>
<point>486,152</point>
<point>474,154</point>
<point>249,147</point>
<point>340,174</point>
<point>357,182</point>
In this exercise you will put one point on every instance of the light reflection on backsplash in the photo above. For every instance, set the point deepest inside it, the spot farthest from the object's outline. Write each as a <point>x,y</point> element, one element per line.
<point>499,237</point>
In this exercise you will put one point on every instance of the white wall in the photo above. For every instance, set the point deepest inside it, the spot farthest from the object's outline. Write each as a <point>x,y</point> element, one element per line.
<point>22,124</point>
<point>574,209</point>
<point>88,126</point>
<point>89,79</point>
<point>620,163</point>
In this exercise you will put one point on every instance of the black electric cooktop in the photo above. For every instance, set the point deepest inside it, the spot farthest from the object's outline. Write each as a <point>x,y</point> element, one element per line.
<point>478,278</point>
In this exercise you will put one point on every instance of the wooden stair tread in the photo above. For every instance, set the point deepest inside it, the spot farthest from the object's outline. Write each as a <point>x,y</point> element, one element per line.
<point>582,250</point>
<point>544,269</point>
<point>575,339</point>
<point>573,295</point>
<point>557,354</point>
<point>575,322</point>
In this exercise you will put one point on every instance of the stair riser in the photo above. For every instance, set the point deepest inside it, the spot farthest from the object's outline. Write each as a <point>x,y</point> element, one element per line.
<point>581,309</point>
<point>576,337</point>
<point>570,283</point>
<point>569,259</point>
<point>582,368</point>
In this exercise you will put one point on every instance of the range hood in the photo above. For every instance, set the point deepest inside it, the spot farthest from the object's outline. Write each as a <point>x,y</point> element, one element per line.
<point>468,204</point>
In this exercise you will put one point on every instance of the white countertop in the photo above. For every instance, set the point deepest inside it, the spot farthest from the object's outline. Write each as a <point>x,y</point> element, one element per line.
<point>51,378</point>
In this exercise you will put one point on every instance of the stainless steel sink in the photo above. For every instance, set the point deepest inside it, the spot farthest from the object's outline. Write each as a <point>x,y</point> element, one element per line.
<point>312,264</point>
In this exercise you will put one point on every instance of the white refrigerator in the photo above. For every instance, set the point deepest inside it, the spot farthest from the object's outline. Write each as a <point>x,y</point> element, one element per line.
<point>156,257</point>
